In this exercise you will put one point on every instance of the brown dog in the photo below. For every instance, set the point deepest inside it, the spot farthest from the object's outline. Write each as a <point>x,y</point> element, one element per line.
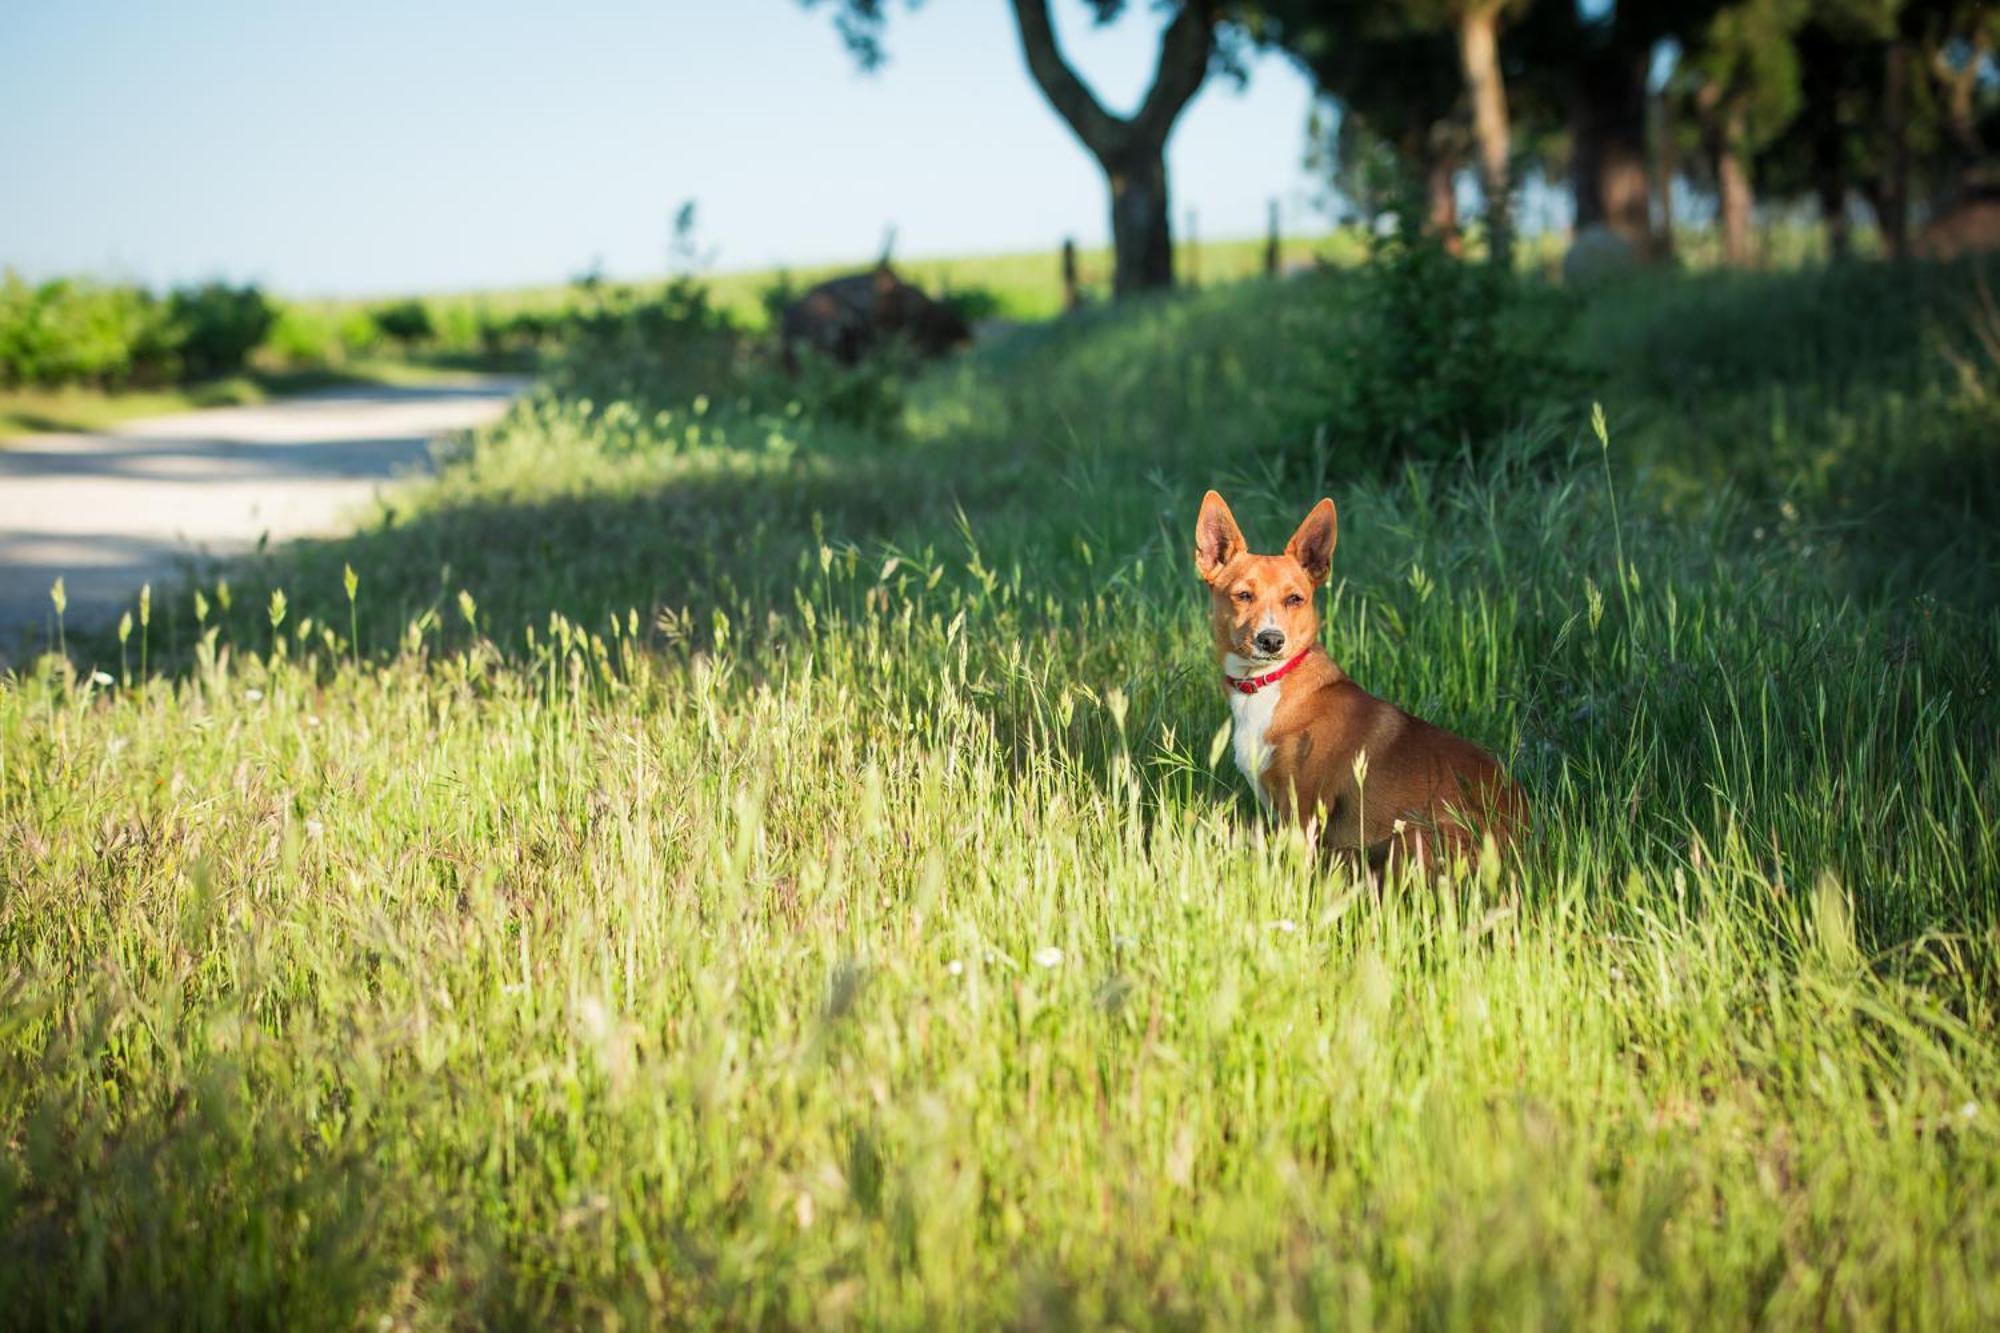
<point>1368,777</point>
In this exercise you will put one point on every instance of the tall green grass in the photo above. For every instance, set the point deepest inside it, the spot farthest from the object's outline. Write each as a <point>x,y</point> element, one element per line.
<point>714,866</point>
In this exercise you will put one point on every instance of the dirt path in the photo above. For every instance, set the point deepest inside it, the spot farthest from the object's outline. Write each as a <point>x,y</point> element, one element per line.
<point>109,512</point>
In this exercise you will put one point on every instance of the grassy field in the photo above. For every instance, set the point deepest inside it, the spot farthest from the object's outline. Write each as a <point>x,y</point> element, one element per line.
<point>1020,285</point>
<point>711,865</point>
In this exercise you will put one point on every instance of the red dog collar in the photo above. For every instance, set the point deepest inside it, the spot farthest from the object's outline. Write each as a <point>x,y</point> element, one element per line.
<point>1252,684</point>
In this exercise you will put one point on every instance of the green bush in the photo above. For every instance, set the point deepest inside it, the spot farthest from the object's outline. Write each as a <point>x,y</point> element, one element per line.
<point>456,326</point>
<point>407,323</point>
<point>216,326</point>
<point>75,331</point>
<point>1443,354</point>
<point>359,333</point>
<point>508,337</point>
<point>973,304</point>
<point>304,335</point>
<point>661,349</point>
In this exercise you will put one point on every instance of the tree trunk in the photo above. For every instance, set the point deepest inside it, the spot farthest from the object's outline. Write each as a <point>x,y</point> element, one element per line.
<point>1830,184</point>
<point>1608,125</point>
<point>1142,239</point>
<point>1441,201</point>
<point>1132,151</point>
<point>1958,85</point>
<point>1892,200</point>
<point>1732,177</point>
<point>1479,53</point>
<point>1828,148</point>
<point>1833,212</point>
<point>1660,163</point>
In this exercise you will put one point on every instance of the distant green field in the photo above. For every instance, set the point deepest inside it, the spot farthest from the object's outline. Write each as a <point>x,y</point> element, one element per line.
<point>1026,284</point>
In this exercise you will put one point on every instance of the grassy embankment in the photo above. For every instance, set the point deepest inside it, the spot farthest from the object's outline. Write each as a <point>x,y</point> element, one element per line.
<point>753,870</point>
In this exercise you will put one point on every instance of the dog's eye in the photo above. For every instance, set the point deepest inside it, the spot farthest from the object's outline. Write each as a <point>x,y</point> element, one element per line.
<point>1294,600</point>
<point>1243,596</point>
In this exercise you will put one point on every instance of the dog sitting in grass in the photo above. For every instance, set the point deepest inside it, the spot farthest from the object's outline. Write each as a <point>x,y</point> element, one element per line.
<point>1365,777</point>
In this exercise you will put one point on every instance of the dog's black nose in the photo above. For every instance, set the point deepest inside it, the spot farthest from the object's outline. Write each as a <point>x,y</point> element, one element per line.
<point>1270,641</point>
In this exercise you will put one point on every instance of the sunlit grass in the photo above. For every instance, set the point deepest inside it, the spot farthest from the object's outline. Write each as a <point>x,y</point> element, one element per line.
<point>26,410</point>
<point>712,868</point>
<point>29,411</point>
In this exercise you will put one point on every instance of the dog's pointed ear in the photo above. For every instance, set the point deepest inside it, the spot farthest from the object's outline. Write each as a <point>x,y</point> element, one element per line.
<point>1312,544</point>
<point>1217,539</point>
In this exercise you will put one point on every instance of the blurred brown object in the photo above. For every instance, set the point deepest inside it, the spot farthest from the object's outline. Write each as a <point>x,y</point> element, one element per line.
<point>849,317</point>
<point>1969,227</point>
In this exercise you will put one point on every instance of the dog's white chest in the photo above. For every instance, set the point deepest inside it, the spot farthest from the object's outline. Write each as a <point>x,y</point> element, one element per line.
<point>1250,717</point>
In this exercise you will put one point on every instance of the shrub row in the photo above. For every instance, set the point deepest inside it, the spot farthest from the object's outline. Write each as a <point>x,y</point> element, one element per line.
<point>79,331</point>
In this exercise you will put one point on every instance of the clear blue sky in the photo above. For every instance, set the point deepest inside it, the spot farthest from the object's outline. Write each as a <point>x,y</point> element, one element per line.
<point>440,144</point>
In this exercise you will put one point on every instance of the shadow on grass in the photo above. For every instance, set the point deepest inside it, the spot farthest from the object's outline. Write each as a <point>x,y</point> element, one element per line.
<point>721,539</point>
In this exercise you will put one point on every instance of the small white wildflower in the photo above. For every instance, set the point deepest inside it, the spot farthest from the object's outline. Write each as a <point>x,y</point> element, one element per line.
<point>312,719</point>
<point>1049,956</point>
<point>593,1018</point>
<point>314,828</point>
<point>101,678</point>
<point>1284,925</point>
<point>255,696</point>
<point>1968,1111</point>
<point>955,967</point>
<point>514,988</point>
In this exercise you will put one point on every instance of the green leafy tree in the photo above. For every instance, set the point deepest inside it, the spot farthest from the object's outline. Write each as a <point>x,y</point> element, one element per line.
<point>406,322</point>
<point>1743,79</point>
<point>1594,67</point>
<point>1395,73</point>
<point>1478,24</point>
<point>1898,102</point>
<point>217,327</point>
<point>1421,80</point>
<point>1954,41</point>
<point>1130,150</point>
